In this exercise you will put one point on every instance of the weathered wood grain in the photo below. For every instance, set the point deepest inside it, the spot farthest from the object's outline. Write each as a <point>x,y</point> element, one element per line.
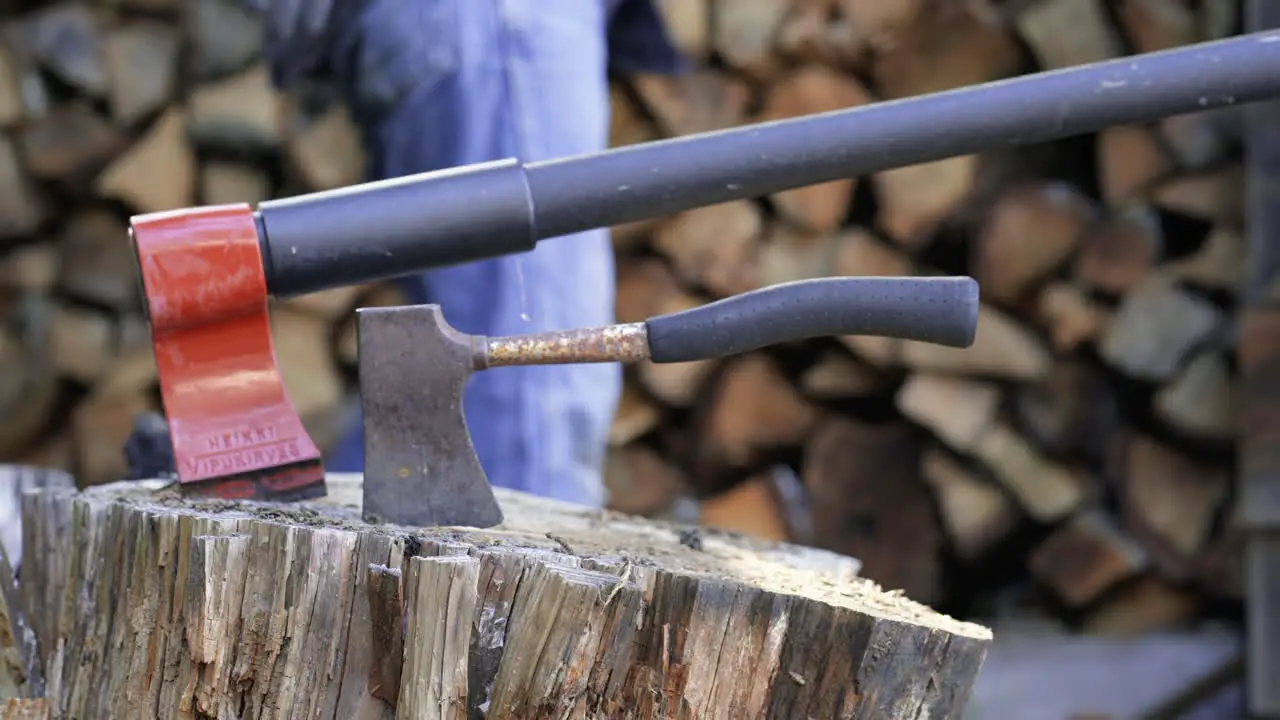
<point>217,609</point>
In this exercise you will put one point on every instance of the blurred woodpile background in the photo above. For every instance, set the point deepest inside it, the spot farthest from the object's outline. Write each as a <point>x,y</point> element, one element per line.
<point>1079,457</point>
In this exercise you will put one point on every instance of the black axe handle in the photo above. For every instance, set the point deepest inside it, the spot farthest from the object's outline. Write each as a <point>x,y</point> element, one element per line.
<point>940,310</point>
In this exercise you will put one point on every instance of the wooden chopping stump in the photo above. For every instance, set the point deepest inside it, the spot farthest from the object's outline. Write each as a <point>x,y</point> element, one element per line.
<point>149,605</point>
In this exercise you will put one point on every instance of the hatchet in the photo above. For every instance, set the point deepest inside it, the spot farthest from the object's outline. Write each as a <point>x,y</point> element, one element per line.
<point>420,466</point>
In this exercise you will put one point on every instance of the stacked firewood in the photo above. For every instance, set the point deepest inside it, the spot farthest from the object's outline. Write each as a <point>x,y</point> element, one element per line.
<point>1083,444</point>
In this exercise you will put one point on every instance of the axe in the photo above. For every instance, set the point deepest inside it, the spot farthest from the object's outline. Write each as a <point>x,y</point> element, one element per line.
<point>420,467</point>
<point>207,273</point>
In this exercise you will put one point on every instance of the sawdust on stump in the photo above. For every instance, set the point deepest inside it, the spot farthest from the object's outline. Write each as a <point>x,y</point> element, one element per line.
<point>148,604</point>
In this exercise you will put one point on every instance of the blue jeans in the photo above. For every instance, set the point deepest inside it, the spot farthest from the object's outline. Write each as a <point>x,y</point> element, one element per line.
<point>440,83</point>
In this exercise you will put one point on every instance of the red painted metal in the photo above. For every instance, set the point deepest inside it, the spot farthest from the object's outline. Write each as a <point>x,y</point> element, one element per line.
<point>235,432</point>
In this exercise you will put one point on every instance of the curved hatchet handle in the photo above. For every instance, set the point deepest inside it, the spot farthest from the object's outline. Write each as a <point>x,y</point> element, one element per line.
<point>941,310</point>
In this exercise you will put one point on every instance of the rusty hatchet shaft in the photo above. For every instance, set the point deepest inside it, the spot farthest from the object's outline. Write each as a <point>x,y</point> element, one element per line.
<point>420,466</point>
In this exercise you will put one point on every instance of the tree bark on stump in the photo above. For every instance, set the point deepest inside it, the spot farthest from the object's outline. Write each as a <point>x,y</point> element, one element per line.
<point>149,605</point>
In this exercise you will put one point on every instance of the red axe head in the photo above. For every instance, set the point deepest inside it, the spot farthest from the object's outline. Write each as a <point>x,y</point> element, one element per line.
<point>207,273</point>
<point>235,434</point>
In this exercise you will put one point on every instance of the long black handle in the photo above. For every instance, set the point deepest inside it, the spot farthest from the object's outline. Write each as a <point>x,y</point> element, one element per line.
<point>666,176</point>
<point>406,225</point>
<point>941,310</point>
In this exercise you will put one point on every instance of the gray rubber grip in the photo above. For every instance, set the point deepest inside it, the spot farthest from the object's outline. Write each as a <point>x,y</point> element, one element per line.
<point>941,310</point>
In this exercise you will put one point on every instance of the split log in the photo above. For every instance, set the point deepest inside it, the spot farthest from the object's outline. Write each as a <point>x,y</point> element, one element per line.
<point>640,481</point>
<point>945,45</point>
<point>224,183</point>
<point>83,343</point>
<point>715,248</point>
<point>752,507</point>
<point>1084,557</point>
<point>65,39</point>
<point>11,101</point>
<point>688,24</point>
<point>1002,348</point>
<point>142,62</point>
<point>100,426</point>
<point>820,31</point>
<point>28,381</point>
<point>1217,265</point>
<point>1156,329</point>
<point>1144,605</point>
<point>239,113</point>
<point>1154,25</point>
<point>23,206</point>
<point>916,199</point>
<point>70,144</point>
<point>628,123</point>
<point>1065,33</point>
<point>224,37</point>
<point>130,372</point>
<point>635,416</point>
<point>162,152</point>
<point>1130,161</point>
<point>858,252</point>
<point>97,265</point>
<point>869,501</point>
<point>1072,414</point>
<point>30,269</point>
<point>224,609</point>
<point>1200,402</point>
<point>329,305</point>
<point>1220,568</point>
<point>751,411</point>
<point>837,375</point>
<point>1120,250</point>
<point>1215,196</point>
<point>1217,20</point>
<point>327,152</point>
<point>814,89</point>
<point>882,24</point>
<point>790,254</point>
<point>975,512</point>
<point>963,415</point>
<point>744,32</point>
<point>700,100</point>
<point>309,372</point>
<point>1071,317</point>
<point>1029,232</point>
<point>633,236</point>
<point>1170,502</point>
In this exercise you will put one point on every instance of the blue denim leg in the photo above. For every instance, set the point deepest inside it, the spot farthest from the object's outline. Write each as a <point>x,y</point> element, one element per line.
<point>506,78</point>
